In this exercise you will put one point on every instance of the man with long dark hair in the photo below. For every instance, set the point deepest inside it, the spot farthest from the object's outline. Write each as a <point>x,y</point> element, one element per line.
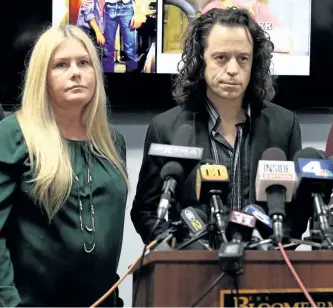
<point>224,90</point>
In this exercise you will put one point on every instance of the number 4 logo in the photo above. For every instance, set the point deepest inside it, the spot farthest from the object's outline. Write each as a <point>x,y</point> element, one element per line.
<point>312,167</point>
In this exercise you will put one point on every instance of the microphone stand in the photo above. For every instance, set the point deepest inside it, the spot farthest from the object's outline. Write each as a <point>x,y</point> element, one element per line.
<point>316,235</point>
<point>175,221</point>
<point>174,231</point>
<point>214,236</point>
<point>321,214</point>
<point>216,205</point>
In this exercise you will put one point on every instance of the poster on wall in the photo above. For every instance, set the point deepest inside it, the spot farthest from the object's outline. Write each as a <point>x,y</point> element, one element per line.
<point>147,35</point>
<point>288,23</point>
<point>125,30</point>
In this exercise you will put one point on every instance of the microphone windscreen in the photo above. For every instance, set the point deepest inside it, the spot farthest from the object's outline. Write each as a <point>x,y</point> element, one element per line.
<point>310,153</point>
<point>173,169</point>
<point>274,154</point>
<point>323,154</point>
<point>188,194</point>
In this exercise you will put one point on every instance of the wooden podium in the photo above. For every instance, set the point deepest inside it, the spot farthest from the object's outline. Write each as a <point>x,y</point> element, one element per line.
<point>178,278</point>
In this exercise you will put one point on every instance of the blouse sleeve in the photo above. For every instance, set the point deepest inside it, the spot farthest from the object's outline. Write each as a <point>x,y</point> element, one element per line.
<point>11,155</point>
<point>120,144</point>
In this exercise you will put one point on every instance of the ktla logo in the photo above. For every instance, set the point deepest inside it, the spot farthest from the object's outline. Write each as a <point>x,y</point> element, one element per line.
<point>214,172</point>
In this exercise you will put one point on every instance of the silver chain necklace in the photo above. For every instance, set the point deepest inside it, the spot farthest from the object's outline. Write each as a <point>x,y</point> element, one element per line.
<point>87,231</point>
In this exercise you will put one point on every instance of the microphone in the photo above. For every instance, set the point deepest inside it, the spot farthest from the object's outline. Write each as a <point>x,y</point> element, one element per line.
<point>212,183</point>
<point>177,150</point>
<point>172,174</point>
<point>193,228</point>
<point>240,226</point>
<point>275,184</point>
<point>239,231</point>
<point>189,193</point>
<point>173,171</point>
<point>196,221</point>
<point>315,181</point>
<point>264,224</point>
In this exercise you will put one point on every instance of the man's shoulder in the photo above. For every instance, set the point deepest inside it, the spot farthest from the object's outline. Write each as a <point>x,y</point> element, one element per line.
<point>276,111</point>
<point>173,116</point>
<point>168,122</point>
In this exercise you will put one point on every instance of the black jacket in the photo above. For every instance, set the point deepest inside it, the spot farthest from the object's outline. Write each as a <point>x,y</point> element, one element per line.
<point>271,126</point>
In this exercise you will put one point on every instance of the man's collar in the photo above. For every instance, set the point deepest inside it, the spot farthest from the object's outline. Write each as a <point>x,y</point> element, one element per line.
<point>214,114</point>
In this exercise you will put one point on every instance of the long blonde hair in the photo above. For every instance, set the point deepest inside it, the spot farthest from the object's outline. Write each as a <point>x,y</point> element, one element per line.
<point>48,151</point>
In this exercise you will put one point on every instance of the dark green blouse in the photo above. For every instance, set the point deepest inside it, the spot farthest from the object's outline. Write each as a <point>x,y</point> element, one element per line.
<point>43,263</point>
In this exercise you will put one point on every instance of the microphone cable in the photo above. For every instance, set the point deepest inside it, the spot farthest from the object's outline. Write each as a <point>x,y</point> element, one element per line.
<point>152,244</point>
<point>192,240</point>
<point>120,280</point>
<point>306,242</point>
<point>297,278</point>
<point>136,288</point>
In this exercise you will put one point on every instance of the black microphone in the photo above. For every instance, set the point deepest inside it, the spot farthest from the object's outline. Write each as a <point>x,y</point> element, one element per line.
<point>195,219</point>
<point>189,193</point>
<point>212,185</point>
<point>192,231</point>
<point>173,171</point>
<point>264,224</point>
<point>172,174</point>
<point>275,183</point>
<point>315,184</point>
<point>196,223</point>
<point>240,226</point>
<point>239,231</point>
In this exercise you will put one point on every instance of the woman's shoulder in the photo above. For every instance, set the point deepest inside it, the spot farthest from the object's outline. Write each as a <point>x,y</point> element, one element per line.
<point>11,120</point>
<point>119,142</point>
<point>10,128</point>
<point>11,138</point>
<point>117,136</point>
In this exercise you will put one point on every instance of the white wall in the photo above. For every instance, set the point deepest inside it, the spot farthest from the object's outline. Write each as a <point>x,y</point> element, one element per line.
<point>315,129</point>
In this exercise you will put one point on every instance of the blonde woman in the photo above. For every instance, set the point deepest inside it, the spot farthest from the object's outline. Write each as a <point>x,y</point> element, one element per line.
<point>63,184</point>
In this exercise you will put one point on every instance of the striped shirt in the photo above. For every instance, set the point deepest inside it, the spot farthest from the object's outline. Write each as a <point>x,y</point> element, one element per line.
<point>235,159</point>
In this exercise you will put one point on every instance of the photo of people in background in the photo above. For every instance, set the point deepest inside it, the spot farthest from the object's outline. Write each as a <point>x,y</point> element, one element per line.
<point>124,31</point>
<point>287,22</point>
<point>264,16</point>
<point>147,35</point>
